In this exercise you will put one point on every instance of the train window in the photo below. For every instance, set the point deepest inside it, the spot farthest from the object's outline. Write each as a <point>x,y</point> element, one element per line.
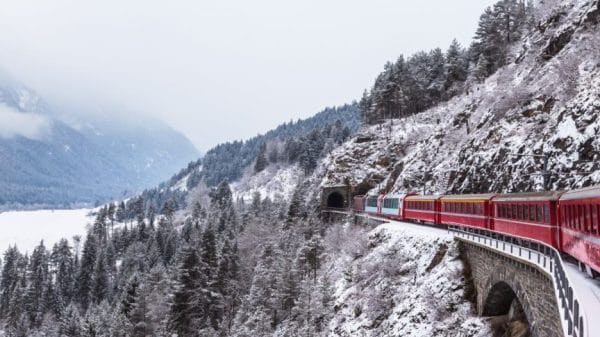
<point>539,213</point>
<point>468,211</point>
<point>475,209</point>
<point>546,211</point>
<point>577,216</point>
<point>532,212</point>
<point>525,212</point>
<point>593,218</point>
<point>588,218</point>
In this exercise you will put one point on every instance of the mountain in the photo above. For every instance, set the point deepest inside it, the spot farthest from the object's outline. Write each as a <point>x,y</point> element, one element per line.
<point>494,136</point>
<point>290,152</point>
<point>50,157</point>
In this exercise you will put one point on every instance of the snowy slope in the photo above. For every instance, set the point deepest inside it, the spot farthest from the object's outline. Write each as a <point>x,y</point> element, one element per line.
<point>409,283</point>
<point>275,182</point>
<point>547,100</point>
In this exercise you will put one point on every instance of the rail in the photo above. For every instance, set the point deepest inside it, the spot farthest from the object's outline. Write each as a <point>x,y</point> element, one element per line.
<point>542,255</point>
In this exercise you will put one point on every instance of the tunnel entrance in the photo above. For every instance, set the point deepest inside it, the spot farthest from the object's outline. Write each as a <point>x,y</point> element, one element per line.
<point>509,318</point>
<point>336,200</point>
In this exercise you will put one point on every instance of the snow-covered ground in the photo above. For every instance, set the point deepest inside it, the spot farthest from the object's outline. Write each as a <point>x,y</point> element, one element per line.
<point>409,282</point>
<point>27,228</point>
<point>274,182</point>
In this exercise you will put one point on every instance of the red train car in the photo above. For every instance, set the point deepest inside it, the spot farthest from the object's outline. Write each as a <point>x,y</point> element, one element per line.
<point>424,208</point>
<point>529,215</point>
<point>579,214</point>
<point>358,203</point>
<point>472,210</point>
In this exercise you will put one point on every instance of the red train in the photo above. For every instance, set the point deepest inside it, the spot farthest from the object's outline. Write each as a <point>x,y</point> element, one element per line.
<point>568,221</point>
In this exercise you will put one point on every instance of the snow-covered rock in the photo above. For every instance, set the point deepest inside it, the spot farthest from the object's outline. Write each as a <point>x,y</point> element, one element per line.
<point>546,101</point>
<point>409,282</point>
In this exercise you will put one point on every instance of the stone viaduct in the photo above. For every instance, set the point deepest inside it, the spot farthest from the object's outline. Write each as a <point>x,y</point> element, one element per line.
<point>508,286</point>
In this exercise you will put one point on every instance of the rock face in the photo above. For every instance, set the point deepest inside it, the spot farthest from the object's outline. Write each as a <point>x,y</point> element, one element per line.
<point>409,282</point>
<point>545,102</point>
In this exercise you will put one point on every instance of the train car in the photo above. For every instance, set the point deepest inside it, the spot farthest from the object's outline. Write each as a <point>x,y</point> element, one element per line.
<point>373,204</point>
<point>579,218</point>
<point>393,205</point>
<point>358,203</point>
<point>425,208</point>
<point>529,215</point>
<point>472,210</point>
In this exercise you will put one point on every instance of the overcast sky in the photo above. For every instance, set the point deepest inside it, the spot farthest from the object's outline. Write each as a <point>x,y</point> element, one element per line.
<point>220,70</point>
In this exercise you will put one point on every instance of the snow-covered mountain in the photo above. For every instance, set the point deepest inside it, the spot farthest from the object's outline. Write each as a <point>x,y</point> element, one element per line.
<point>546,100</point>
<point>49,157</point>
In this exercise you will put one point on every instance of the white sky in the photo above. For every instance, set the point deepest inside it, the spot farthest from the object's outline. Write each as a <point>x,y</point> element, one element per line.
<point>220,70</point>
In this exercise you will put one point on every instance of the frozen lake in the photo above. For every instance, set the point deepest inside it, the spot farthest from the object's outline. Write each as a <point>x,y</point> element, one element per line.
<point>27,228</point>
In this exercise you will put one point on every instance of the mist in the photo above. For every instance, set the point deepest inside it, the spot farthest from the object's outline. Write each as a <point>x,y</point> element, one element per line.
<point>14,123</point>
<point>218,71</point>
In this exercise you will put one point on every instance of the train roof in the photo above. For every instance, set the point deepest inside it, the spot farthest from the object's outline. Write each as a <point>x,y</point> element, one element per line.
<point>424,197</point>
<point>582,193</point>
<point>529,196</point>
<point>398,195</point>
<point>468,197</point>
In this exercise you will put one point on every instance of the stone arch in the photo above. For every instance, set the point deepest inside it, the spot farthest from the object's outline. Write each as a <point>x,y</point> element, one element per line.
<point>336,200</point>
<point>504,295</point>
<point>499,300</point>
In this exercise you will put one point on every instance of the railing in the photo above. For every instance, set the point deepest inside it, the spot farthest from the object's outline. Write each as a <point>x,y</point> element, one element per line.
<point>544,256</point>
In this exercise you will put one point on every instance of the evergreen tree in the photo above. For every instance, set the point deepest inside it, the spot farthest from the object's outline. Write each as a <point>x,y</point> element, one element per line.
<point>37,277</point>
<point>100,280</point>
<point>189,299</point>
<point>261,159</point>
<point>86,271</point>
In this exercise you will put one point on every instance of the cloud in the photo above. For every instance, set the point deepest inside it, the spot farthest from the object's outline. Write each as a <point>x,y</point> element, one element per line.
<point>14,123</point>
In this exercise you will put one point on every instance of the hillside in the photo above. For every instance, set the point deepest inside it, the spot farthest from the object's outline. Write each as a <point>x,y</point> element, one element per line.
<point>48,160</point>
<point>545,100</point>
<point>287,153</point>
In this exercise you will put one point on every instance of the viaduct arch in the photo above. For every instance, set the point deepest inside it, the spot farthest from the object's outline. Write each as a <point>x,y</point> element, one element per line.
<point>505,286</point>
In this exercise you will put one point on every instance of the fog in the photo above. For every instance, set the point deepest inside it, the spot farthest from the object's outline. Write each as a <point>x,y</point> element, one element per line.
<point>14,123</point>
<point>219,70</point>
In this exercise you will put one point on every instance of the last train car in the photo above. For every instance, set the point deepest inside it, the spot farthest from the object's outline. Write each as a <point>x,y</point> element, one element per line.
<point>579,217</point>
<point>358,203</point>
<point>471,210</point>
<point>393,205</point>
<point>424,208</point>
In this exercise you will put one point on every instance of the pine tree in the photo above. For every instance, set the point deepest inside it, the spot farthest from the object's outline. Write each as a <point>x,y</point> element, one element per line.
<point>456,66</point>
<point>10,278</point>
<point>100,280</point>
<point>63,266</point>
<point>261,159</point>
<point>70,323</point>
<point>37,277</point>
<point>86,271</point>
<point>189,299</point>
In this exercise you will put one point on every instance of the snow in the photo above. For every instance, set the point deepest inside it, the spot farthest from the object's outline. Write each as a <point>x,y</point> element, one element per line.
<point>181,185</point>
<point>27,228</point>
<point>587,291</point>
<point>527,107</point>
<point>395,288</point>
<point>273,182</point>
